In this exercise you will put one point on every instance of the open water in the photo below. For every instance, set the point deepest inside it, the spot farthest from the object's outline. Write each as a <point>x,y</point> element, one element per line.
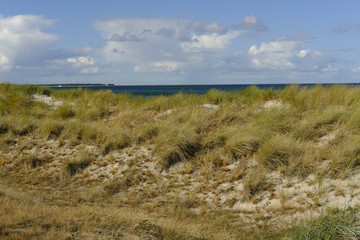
<point>155,90</point>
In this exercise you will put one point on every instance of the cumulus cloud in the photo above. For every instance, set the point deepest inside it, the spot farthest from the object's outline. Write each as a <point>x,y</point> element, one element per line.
<point>251,22</point>
<point>25,50</point>
<point>287,55</point>
<point>74,65</point>
<point>211,41</point>
<point>203,50</point>
<point>274,55</point>
<point>22,40</point>
<point>5,64</point>
<point>86,65</point>
<point>162,45</point>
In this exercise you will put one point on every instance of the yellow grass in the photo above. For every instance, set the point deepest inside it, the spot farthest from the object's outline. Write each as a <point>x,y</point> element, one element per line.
<point>115,166</point>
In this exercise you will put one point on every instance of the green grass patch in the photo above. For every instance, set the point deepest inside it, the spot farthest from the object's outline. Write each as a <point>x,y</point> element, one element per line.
<point>330,226</point>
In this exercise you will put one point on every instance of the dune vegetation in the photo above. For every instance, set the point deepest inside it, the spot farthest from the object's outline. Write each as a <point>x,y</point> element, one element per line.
<point>250,164</point>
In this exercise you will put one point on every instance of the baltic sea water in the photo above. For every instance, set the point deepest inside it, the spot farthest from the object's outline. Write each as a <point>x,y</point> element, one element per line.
<point>155,90</point>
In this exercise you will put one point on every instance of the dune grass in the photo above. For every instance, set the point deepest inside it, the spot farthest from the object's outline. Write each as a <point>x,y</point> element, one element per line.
<point>309,114</point>
<point>260,131</point>
<point>331,225</point>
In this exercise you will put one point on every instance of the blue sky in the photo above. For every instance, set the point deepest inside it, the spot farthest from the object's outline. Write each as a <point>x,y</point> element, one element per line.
<point>179,42</point>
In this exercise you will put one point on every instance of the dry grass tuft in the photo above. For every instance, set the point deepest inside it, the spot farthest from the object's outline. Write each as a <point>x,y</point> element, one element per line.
<point>279,151</point>
<point>82,161</point>
<point>254,182</point>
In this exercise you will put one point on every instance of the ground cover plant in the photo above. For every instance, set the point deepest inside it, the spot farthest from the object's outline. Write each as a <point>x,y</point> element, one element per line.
<point>250,164</point>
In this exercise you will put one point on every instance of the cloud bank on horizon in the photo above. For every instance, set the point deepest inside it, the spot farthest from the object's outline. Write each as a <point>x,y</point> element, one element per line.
<point>165,51</point>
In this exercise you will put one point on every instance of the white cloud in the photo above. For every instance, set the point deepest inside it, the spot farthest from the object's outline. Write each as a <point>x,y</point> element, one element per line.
<point>4,64</point>
<point>202,51</point>
<point>302,53</point>
<point>75,65</point>
<point>22,40</point>
<point>250,20</point>
<point>202,27</point>
<point>160,67</point>
<point>211,41</point>
<point>330,68</point>
<point>82,61</point>
<point>137,68</point>
<point>86,65</point>
<point>274,55</point>
<point>25,51</point>
<point>130,29</point>
<point>356,70</point>
<point>166,66</point>
<point>158,48</point>
<point>162,45</point>
<point>139,27</point>
<point>287,55</point>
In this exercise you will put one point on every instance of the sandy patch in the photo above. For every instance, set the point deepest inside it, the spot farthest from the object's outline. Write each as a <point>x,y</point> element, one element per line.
<point>48,100</point>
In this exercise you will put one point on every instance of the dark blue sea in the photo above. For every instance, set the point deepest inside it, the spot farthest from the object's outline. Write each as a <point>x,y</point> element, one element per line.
<point>155,90</point>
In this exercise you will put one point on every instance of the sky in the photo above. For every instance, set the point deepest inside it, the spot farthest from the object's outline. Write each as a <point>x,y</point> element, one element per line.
<point>179,42</point>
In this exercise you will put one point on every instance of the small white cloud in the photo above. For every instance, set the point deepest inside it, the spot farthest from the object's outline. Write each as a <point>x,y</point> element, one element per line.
<point>250,21</point>
<point>159,67</point>
<point>5,64</point>
<point>86,65</point>
<point>137,68</point>
<point>330,68</point>
<point>302,53</point>
<point>82,61</point>
<point>287,55</point>
<point>90,70</point>
<point>356,70</point>
<point>167,66</point>
<point>212,41</point>
<point>75,65</point>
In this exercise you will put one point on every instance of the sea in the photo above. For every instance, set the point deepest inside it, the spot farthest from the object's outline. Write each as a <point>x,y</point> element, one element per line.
<point>166,90</point>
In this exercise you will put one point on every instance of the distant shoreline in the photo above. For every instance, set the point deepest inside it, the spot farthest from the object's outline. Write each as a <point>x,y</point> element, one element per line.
<point>76,85</point>
<point>170,85</point>
<point>156,90</point>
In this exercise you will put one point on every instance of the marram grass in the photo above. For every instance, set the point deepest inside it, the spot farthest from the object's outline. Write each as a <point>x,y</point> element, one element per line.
<point>253,133</point>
